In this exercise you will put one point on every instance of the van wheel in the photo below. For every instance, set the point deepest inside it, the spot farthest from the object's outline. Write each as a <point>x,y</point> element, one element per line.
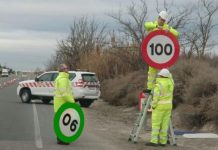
<point>46,100</point>
<point>86,102</point>
<point>25,96</point>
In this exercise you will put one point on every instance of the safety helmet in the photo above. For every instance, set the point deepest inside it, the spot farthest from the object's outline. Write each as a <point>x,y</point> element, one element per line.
<point>164,72</point>
<point>163,15</point>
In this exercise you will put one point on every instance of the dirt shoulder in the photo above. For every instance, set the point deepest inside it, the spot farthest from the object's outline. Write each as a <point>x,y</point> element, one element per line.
<point>114,123</point>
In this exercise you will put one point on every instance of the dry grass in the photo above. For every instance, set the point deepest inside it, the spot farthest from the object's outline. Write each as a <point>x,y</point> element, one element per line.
<point>196,91</point>
<point>110,63</point>
<point>124,90</point>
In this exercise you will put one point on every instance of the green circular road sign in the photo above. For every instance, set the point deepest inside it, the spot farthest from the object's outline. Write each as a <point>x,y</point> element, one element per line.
<point>69,122</point>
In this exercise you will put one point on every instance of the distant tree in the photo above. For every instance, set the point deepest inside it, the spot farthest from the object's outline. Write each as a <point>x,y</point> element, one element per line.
<point>198,37</point>
<point>132,21</point>
<point>83,37</point>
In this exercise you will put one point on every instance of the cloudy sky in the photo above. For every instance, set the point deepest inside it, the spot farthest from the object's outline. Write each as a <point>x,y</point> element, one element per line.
<point>30,29</point>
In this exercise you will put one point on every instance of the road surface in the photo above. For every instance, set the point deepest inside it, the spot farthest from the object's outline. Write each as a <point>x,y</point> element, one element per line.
<point>30,126</point>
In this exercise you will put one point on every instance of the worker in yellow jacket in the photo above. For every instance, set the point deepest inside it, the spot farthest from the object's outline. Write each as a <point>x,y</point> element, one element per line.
<point>160,24</point>
<point>161,108</point>
<point>63,91</point>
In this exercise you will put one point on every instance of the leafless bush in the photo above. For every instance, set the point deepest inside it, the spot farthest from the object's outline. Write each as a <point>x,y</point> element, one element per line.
<point>124,90</point>
<point>214,61</point>
<point>201,86</point>
<point>183,71</point>
<point>199,91</point>
<point>109,62</point>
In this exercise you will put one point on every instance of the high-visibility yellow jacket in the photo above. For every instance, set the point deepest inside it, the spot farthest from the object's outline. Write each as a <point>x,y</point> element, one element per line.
<point>152,72</point>
<point>163,94</point>
<point>152,26</point>
<point>63,91</point>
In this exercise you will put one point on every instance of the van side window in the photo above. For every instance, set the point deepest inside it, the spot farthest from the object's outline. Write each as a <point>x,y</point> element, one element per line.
<point>45,77</point>
<point>54,76</point>
<point>72,76</point>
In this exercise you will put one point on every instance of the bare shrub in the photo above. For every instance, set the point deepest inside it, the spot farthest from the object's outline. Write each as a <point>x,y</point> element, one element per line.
<point>199,92</point>
<point>203,84</point>
<point>194,117</point>
<point>113,91</point>
<point>190,116</point>
<point>109,63</point>
<point>211,113</point>
<point>214,61</point>
<point>124,90</point>
<point>183,71</point>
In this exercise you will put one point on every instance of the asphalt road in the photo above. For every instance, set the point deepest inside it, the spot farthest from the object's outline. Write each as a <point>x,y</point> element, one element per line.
<point>30,126</point>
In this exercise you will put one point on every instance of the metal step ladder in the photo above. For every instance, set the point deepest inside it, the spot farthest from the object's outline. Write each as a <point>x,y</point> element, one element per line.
<point>142,117</point>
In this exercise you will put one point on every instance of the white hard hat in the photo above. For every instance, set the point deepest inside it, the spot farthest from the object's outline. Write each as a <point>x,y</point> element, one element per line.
<point>164,72</point>
<point>163,15</point>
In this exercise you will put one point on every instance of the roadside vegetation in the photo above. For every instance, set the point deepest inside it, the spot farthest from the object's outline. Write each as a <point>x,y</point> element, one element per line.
<point>116,58</point>
<point>195,94</point>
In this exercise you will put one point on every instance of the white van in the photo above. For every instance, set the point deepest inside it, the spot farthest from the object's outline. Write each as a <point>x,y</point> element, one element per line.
<point>4,73</point>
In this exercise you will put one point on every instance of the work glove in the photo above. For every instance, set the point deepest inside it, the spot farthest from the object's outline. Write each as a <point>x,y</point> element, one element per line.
<point>160,27</point>
<point>149,110</point>
<point>147,91</point>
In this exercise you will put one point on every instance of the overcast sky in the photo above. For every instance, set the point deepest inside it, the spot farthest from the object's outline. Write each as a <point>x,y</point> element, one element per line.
<point>30,29</point>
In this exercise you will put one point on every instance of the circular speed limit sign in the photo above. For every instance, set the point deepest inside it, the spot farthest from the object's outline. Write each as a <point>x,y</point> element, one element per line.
<point>160,49</point>
<point>69,122</point>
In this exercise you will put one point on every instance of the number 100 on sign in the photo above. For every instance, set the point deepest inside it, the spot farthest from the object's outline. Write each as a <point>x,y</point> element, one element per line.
<point>160,49</point>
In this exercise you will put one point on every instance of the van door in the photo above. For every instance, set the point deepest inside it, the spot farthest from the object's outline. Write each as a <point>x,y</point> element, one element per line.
<point>44,85</point>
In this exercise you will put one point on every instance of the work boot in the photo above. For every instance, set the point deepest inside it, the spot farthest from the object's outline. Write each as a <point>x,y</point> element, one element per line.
<point>163,145</point>
<point>151,144</point>
<point>61,142</point>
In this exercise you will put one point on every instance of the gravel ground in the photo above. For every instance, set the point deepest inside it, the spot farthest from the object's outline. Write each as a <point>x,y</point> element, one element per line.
<point>115,123</point>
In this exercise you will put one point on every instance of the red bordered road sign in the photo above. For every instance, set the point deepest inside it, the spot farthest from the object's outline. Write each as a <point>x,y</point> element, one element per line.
<point>160,49</point>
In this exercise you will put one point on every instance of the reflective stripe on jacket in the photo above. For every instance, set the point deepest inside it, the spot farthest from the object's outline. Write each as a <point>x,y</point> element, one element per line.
<point>163,94</point>
<point>63,90</point>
